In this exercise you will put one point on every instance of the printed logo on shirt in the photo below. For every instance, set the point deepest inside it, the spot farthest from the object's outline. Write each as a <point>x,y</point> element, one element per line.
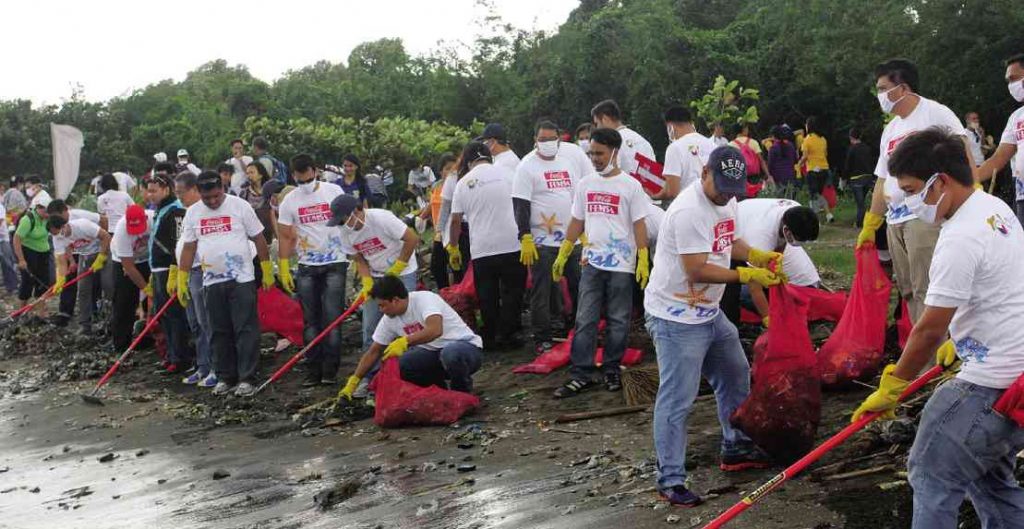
<point>603,203</point>
<point>971,350</point>
<point>371,246</point>
<point>214,225</point>
<point>315,214</point>
<point>724,232</point>
<point>557,179</point>
<point>895,142</point>
<point>999,224</point>
<point>411,328</point>
<point>1018,131</point>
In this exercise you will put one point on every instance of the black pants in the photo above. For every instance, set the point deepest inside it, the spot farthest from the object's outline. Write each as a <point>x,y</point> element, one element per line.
<point>35,277</point>
<point>731,298</point>
<point>500,283</point>
<point>234,330</point>
<point>439,265</point>
<point>174,323</point>
<point>68,297</point>
<point>126,301</point>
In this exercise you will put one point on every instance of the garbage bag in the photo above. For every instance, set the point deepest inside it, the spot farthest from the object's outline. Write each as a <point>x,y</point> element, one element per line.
<point>782,412</point>
<point>904,325</point>
<point>280,314</point>
<point>400,403</point>
<point>558,357</point>
<point>857,345</point>
<point>829,194</point>
<point>462,297</point>
<point>822,305</point>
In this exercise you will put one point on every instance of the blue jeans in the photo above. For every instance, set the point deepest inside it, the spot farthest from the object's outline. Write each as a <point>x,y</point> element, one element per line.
<point>199,321</point>
<point>371,313</point>
<point>684,353</point>
<point>9,267</point>
<point>963,447</point>
<point>451,367</point>
<point>611,292</point>
<point>174,322</point>
<point>321,291</point>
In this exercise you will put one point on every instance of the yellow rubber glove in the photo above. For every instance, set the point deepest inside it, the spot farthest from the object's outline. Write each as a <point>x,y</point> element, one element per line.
<point>528,253</point>
<point>584,241</point>
<point>367,285</point>
<point>268,274</point>
<point>765,321</point>
<point>350,388</point>
<point>58,285</point>
<point>396,348</point>
<point>946,356</point>
<point>643,266</point>
<point>397,268</point>
<point>885,398</point>
<point>871,224</point>
<point>454,257</point>
<point>172,280</point>
<point>765,259</point>
<point>98,263</point>
<point>761,276</point>
<point>558,269</point>
<point>284,273</point>
<point>148,289</point>
<point>183,294</point>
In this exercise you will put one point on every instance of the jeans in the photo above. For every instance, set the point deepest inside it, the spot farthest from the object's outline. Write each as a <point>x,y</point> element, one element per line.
<point>8,267</point>
<point>862,188</point>
<point>911,245</point>
<point>546,295</point>
<point>126,300</point>
<point>611,292</point>
<point>174,323</point>
<point>68,297</point>
<point>455,363</point>
<point>199,321</point>
<point>500,280</point>
<point>964,448</point>
<point>86,292</point>
<point>372,314</point>
<point>684,353</point>
<point>234,330</point>
<point>321,291</point>
<point>1019,210</point>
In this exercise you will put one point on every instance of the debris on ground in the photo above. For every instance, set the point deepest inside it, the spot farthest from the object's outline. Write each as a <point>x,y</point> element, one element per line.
<point>328,498</point>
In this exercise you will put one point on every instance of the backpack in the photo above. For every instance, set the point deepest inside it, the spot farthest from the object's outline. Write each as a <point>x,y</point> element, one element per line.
<point>750,157</point>
<point>281,173</point>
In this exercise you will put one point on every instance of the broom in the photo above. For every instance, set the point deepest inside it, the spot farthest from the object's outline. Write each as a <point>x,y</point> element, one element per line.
<point>640,384</point>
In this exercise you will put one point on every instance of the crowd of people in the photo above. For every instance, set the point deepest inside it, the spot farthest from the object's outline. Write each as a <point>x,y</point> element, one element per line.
<point>598,246</point>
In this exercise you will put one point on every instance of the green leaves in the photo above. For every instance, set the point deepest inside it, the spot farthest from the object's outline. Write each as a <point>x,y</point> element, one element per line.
<point>722,104</point>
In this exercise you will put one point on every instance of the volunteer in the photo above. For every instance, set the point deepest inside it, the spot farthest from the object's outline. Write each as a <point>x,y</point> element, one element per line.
<point>438,255</point>
<point>32,249</point>
<point>163,265</point>
<point>129,247</point>
<point>451,180</point>
<point>606,114</point>
<point>8,263</point>
<point>36,193</point>
<point>1011,142</point>
<point>239,161</point>
<point>684,153</point>
<point>69,296</point>
<point>195,305</point>
<point>692,336</point>
<point>496,140</point>
<point>966,444</point>
<point>78,245</point>
<point>185,163</point>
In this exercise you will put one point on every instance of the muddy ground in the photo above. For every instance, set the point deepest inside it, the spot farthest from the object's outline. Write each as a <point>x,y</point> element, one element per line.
<point>161,454</point>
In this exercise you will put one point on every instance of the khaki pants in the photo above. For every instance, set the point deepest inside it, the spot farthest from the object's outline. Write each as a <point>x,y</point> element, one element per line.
<point>912,244</point>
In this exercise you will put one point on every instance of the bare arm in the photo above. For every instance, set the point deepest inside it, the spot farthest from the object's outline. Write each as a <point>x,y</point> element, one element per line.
<point>104,242</point>
<point>188,254</point>
<point>640,234</point>
<point>1004,153</point>
<point>262,251</point>
<point>878,198</point>
<point>18,252</point>
<point>286,236</point>
<point>928,334</point>
<point>130,270</point>
<point>970,157</point>
<point>575,229</point>
<point>409,243</point>
<point>760,299</point>
<point>368,359</point>
<point>362,266</point>
<point>671,189</point>
<point>456,230</point>
<point>699,270</point>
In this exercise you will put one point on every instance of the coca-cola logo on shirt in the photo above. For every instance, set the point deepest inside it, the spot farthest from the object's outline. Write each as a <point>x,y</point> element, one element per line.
<point>557,179</point>
<point>724,232</point>
<point>371,246</point>
<point>412,328</point>
<point>214,225</point>
<point>603,203</point>
<point>895,142</point>
<point>1018,130</point>
<point>315,214</point>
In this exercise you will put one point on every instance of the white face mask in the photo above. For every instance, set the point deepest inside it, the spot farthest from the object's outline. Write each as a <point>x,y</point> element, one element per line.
<point>789,238</point>
<point>1017,90</point>
<point>671,133</point>
<point>357,224</point>
<point>585,145</point>
<point>308,187</point>
<point>928,213</point>
<point>884,101</point>
<point>547,149</point>
<point>31,192</point>
<point>610,166</point>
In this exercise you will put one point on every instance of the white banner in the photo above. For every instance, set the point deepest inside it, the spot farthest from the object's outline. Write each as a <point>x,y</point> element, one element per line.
<point>67,149</point>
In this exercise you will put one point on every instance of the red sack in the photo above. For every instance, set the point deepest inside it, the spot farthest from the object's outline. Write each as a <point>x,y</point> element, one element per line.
<point>754,189</point>
<point>857,345</point>
<point>829,194</point>
<point>558,357</point>
<point>749,317</point>
<point>822,304</point>
<point>280,314</point>
<point>1011,403</point>
<point>904,325</point>
<point>782,412</point>
<point>462,298</point>
<point>401,403</point>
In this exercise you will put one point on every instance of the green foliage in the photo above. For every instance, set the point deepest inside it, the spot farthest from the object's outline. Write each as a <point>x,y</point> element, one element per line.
<point>727,103</point>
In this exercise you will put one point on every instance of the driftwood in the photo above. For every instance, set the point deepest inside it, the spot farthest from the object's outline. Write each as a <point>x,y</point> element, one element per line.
<point>610,412</point>
<point>861,473</point>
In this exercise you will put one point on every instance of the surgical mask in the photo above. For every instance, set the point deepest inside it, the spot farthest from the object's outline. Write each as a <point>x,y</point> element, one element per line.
<point>357,224</point>
<point>547,149</point>
<point>789,238</point>
<point>31,192</point>
<point>308,187</point>
<point>585,145</point>
<point>671,133</point>
<point>928,213</point>
<point>884,101</point>
<point>1017,90</point>
<point>610,166</point>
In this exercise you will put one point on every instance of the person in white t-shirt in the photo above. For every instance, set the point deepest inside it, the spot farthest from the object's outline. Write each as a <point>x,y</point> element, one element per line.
<point>1011,142</point>
<point>112,202</point>
<point>911,242</point>
<point>195,307</point>
<point>129,250</point>
<point>718,138</point>
<point>238,162</point>
<point>434,347</point>
<point>684,153</point>
<point>303,231</point>
<point>606,114</point>
<point>609,206</point>
<point>692,336</point>
<point>37,193</point>
<point>220,228</point>
<point>542,194</point>
<point>125,181</point>
<point>78,245</point>
<point>8,263</point>
<point>483,198</point>
<point>496,140</point>
<point>965,443</point>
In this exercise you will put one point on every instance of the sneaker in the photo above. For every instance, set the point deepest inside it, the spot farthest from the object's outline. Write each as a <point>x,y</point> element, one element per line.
<point>329,380</point>
<point>745,459</point>
<point>830,218</point>
<point>193,379</point>
<point>681,496</point>
<point>245,389</point>
<point>209,382</point>
<point>612,381</point>
<point>573,387</point>
<point>222,388</point>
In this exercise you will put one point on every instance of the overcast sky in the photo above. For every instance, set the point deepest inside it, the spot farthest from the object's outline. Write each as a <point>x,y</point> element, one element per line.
<point>111,47</point>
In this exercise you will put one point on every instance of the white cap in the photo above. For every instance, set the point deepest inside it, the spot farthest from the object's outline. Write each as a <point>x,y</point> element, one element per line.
<point>160,157</point>
<point>182,152</point>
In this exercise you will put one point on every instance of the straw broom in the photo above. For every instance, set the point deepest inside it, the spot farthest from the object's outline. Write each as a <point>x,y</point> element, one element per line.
<point>640,384</point>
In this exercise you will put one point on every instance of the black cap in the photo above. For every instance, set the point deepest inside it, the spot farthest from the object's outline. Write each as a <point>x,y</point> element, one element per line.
<point>209,180</point>
<point>271,188</point>
<point>729,170</point>
<point>341,207</point>
<point>495,131</point>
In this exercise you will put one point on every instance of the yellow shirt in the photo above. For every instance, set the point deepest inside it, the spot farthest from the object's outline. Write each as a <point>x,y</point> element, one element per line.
<point>815,148</point>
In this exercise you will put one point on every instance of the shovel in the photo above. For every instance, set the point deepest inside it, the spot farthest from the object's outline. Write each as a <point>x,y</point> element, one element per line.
<point>91,398</point>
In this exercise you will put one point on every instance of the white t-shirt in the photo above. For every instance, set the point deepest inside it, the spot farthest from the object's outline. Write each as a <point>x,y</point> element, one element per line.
<point>975,269</point>
<point>238,177</point>
<point>548,185</point>
<point>928,113</point>
<point>683,158</point>
<point>124,181</point>
<point>653,222</point>
<point>574,153</point>
<point>760,220</point>
<point>317,243</point>
<point>423,304</point>
<point>447,195</point>
<point>974,140</point>
<point>1014,135</point>
<point>124,245</point>
<point>42,198</point>
<point>5,234</point>
<point>113,204</point>
<point>379,241</point>
<point>223,239</point>
<point>798,266</point>
<point>83,214</point>
<point>692,225</point>
<point>719,141</point>
<point>83,239</point>
<point>608,207</point>
<point>484,197</point>
<point>508,159</point>
<point>632,143</point>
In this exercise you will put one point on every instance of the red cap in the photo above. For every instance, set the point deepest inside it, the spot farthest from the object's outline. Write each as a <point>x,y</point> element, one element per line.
<point>135,219</point>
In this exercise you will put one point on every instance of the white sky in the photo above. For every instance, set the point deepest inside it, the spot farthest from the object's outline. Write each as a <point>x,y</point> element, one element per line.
<point>111,47</point>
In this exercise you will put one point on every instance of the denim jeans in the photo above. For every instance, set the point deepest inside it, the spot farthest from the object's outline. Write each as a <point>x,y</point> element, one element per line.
<point>546,295</point>
<point>1018,209</point>
<point>174,323</point>
<point>372,314</point>
<point>9,267</point>
<point>964,448</point>
<point>234,330</point>
<point>862,188</point>
<point>199,321</point>
<point>86,292</point>
<point>684,353</point>
<point>451,367</point>
<point>612,293</point>
<point>321,291</point>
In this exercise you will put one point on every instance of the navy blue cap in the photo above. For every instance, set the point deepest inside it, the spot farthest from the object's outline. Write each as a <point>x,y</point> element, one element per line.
<point>341,207</point>
<point>729,170</point>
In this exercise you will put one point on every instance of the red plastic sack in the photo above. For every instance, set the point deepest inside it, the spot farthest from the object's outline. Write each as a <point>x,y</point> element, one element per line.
<point>821,304</point>
<point>1011,403</point>
<point>829,194</point>
<point>558,357</point>
<point>280,314</point>
<point>462,297</point>
<point>782,412</point>
<point>401,403</point>
<point>754,189</point>
<point>904,325</point>
<point>857,345</point>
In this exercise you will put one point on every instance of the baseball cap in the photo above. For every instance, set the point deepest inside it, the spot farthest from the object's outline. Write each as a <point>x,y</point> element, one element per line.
<point>135,219</point>
<point>729,170</point>
<point>160,157</point>
<point>182,152</point>
<point>493,131</point>
<point>208,180</point>
<point>341,207</point>
<point>271,188</point>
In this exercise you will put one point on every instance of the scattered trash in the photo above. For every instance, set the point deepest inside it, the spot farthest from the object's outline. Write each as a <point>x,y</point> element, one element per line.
<point>330,497</point>
<point>221,474</point>
<point>106,458</point>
